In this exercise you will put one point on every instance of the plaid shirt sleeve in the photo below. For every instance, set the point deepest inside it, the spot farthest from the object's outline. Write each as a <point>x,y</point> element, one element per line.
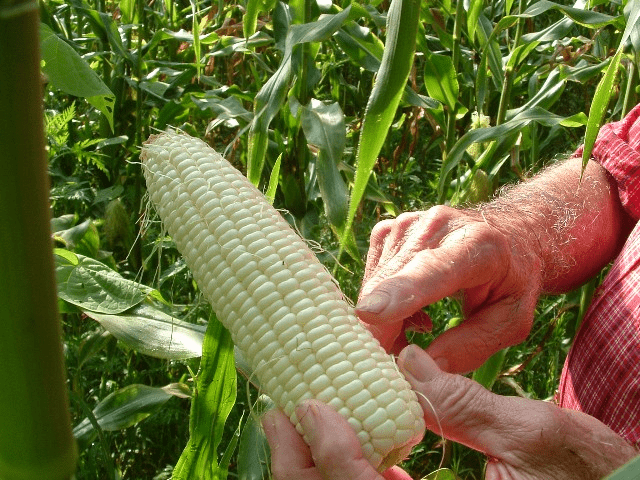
<point>601,375</point>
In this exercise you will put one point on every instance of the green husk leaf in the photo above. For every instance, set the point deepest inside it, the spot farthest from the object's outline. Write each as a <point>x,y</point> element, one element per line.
<point>213,398</point>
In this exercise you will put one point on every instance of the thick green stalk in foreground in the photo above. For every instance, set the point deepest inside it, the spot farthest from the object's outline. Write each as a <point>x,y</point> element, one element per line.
<point>35,429</point>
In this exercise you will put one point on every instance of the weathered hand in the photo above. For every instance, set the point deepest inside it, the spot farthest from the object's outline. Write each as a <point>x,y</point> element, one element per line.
<point>524,439</point>
<point>422,257</point>
<point>333,452</point>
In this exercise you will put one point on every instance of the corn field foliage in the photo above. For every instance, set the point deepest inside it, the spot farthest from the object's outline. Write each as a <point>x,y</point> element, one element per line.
<point>345,112</point>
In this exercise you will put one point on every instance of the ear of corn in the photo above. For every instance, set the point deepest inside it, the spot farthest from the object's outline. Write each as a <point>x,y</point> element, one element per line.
<point>282,307</point>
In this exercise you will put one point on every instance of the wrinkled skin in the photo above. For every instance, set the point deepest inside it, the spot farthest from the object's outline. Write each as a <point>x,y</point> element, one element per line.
<point>524,439</point>
<point>422,257</point>
<point>549,235</point>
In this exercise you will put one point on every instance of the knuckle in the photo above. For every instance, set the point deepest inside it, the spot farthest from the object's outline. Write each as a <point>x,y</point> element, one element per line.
<point>441,214</point>
<point>381,229</point>
<point>407,218</point>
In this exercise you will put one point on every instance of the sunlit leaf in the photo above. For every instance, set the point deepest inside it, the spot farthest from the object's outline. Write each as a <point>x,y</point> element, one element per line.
<point>440,79</point>
<point>273,180</point>
<point>91,285</point>
<point>214,396</point>
<point>324,127</point>
<point>70,73</point>
<point>152,332</point>
<point>402,28</point>
<point>599,105</point>
<point>126,407</point>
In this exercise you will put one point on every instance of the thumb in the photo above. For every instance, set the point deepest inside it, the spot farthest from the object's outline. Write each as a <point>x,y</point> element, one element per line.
<point>454,406</point>
<point>335,449</point>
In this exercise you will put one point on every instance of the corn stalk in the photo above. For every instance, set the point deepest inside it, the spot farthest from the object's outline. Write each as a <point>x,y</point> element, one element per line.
<point>36,440</point>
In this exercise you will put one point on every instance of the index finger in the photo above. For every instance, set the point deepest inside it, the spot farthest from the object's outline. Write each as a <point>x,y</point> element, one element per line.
<point>469,257</point>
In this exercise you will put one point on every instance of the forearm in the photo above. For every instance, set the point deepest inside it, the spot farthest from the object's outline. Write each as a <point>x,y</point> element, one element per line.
<point>573,226</point>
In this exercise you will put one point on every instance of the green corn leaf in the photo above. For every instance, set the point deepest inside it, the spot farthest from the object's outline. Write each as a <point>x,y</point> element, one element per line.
<point>273,94</point>
<point>487,373</point>
<point>629,471</point>
<point>325,129</point>
<point>558,30</point>
<point>473,14</point>
<point>362,46</point>
<point>273,180</point>
<point>252,10</point>
<point>546,96</point>
<point>402,28</point>
<point>440,79</point>
<point>195,29</point>
<point>228,452</point>
<point>253,450</point>
<point>126,407</point>
<point>599,106</point>
<point>586,18</point>
<point>69,72</point>
<point>520,53</point>
<point>491,55</point>
<point>129,11</point>
<point>105,27</point>
<point>604,89</point>
<point>366,51</point>
<point>535,114</point>
<point>584,72</point>
<point>631,12</point>
<point>150,331</point>
<point>213,398</point>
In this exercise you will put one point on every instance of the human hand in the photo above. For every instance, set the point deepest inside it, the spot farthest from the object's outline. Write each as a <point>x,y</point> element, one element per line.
<point>422,257</point>
<point>524,439</point>
<point>333,452</point>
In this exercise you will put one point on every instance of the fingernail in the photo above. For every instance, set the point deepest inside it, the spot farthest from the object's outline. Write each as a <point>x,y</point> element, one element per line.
<point>374,303</point>
<point>412,362</point>
<point>418,364</point>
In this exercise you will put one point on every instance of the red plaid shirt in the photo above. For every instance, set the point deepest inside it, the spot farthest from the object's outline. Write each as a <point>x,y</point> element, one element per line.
<point>601,375</point>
